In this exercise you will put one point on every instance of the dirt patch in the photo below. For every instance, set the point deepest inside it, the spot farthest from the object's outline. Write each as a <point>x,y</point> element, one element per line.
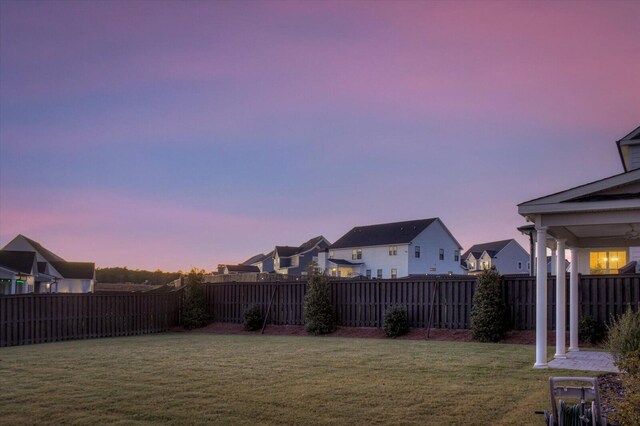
<point>611,393</point>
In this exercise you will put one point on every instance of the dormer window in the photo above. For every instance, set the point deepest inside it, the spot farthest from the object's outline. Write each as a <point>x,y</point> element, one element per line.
<point>331,254</point>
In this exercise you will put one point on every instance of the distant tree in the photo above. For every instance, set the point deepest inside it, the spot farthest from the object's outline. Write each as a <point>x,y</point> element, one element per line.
<point>195,312</point>
<point>136,276</point>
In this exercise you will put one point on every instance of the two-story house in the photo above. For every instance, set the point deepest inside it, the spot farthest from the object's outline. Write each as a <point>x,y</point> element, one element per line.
<point>289,260</point>
<point>393,250</point>
<point>507,256</point>
<point>53,273</point>
<point>296,260</point>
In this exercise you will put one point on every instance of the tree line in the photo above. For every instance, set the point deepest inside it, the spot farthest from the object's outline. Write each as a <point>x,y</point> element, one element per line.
<point>137,276</point>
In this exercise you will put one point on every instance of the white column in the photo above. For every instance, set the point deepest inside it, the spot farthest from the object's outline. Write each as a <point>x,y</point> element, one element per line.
<point>561,302</point>
<point>573,302</point>
<point>541,298</point>
<point>554,262</point>
<point>13,284</point>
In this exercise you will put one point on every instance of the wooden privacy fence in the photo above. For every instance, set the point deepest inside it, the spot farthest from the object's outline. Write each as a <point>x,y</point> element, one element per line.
<point>228,301</point>
<point>360,303</point>
<point>39,318</point>
<point>444,301</point>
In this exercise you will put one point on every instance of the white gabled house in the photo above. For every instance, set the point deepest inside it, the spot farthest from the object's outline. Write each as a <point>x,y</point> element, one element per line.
<point>507,256</point>
<point>51,273</point>
<point>393,250</point>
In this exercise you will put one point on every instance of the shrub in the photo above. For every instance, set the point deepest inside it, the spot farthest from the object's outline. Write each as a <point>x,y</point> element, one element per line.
<point>396,321</point>
<point>318,312</point>
<point>194,311</point>
<point>253,318</point>
<point>624,336</point>
<point>628,408</point>
<point>591,330</point>
<point>488,313</point>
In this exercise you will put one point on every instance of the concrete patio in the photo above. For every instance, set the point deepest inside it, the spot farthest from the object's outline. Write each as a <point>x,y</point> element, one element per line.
<point>585,360</point>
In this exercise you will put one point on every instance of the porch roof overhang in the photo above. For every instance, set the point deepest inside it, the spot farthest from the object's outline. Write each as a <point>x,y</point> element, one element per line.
<point>604,213</point>
<point>343,262</point>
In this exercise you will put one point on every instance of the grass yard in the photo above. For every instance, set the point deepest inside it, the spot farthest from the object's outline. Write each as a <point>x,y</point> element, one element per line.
<point>205,378</point>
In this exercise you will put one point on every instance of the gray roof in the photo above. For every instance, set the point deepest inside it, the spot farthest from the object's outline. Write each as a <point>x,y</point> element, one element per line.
<point>344,262</point>
<point>253,259</point>
<point>47,254</point>
<point>78,270</point>
<point>491,248</point>
<point>17,261</point>
<point>242,268</point>
<point>288,251</point>
<point>383,234</point>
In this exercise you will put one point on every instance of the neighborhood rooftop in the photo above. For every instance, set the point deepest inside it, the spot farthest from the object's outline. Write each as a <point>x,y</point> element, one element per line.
<point>491,248</point>
<point>382,234</point>
<point>18,261</point>
<point>78,270</point>
<point>47,254</point>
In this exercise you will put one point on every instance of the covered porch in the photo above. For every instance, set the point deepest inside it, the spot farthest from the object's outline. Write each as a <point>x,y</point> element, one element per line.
<point>599,217</point>
<point>344,268</point>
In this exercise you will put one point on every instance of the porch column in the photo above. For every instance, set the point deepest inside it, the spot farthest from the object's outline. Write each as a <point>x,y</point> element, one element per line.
<point>541,298</point>
<point>561,302</point>
<point>573,301</point>
<point>554,262</point>
<point>13,284</point>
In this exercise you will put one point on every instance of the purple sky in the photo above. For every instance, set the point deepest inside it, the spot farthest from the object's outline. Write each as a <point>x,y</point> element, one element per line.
<point>177,134</point>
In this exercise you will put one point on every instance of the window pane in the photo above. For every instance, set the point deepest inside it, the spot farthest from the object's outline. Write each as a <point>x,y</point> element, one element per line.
<point>598,262</point>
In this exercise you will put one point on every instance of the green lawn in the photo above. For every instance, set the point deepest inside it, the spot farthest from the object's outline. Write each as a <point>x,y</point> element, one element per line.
<point>204,378</point>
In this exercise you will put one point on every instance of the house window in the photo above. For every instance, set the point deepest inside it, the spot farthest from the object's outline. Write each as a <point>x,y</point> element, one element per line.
<point>529,266</point>
<point>485,265</point>
<point>379,273</point>
<point>334,272</point>
<point>519,266</point>
<point>393,250</point>
<point>369,273</point>
<point>607,262</point>
<point>441,254</point>
<point>456,255</point>
<point>472,266</point>
<point>394,273</point>
<point>417,252</point>
<point>356,254</point>
<point>331,254</point>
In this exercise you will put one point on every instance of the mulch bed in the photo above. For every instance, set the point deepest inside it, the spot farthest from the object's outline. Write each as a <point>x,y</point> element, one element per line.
<point>518,337</point>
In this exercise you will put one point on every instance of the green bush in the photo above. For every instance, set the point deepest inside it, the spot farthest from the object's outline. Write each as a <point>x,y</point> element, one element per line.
<point>195,310</point>
<point>591,330</point>
<point>396,321</point>
<point>318,312</point>
<point>628,408</point>
<point>488,313</point>
<point>253,318</point>
<point>624,336</point>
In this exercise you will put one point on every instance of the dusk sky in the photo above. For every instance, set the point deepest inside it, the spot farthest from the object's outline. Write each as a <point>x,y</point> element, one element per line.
<point>177,134</point>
